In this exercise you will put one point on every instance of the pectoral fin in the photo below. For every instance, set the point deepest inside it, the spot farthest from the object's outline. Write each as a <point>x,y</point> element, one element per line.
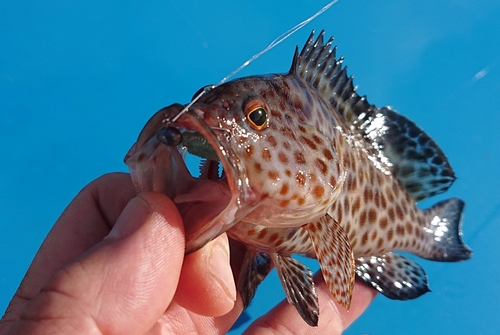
<point>335,257</point>
<point>297,281</point>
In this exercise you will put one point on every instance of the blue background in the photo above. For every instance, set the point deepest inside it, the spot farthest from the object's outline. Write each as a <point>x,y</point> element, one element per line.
<point>79,79</point>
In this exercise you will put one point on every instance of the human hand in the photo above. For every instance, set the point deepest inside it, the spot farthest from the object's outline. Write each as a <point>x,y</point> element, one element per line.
<point>114,264</point>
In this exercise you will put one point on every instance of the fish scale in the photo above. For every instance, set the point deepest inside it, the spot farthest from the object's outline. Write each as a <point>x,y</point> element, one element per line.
<point>311,168</point>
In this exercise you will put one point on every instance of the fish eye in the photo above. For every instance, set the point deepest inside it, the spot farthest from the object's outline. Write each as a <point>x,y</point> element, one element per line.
<point>256,113</point>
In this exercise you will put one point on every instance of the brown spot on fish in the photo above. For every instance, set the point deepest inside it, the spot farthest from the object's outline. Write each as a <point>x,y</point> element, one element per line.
<point>302,129</point>
<point>288,173</point>
<point>356,205</point>
<point>390,197</point>
<point>312,228</point>
<point>318,191</point>
<point>273,174</point>
<point>286,145</point>
<point>380,242</point>
<point>362,218</point>
<point>297,103</point>
<point>390,235</point>
<point>284,189</point>
<point>372,215</point>
<point>266,154</point>
<point>283,157</point>
<point>383,202</point>
<point>352,184</point>
<point>300,178</point>
<point>287,132</point>
<point>400,230</point>
<point>321,166</point>
<point>262,233</point>
<point>309,143</point>
<point>368,194</point>
<point>299,158</point>
<point>249,150</point>
<point>383,222</point>
<point>272,140</point>
<point>333,181</point>
<point>328,154</point>
<point>301,201</point>
<point>284,203</point>
<point>275,114</point>
<point>317,139</point>
<point>392,215</point>
<point>257,167</point>
<point>399,212</point>
<point>251,232</point>
<point>409,228</point>
<point>364,238</point>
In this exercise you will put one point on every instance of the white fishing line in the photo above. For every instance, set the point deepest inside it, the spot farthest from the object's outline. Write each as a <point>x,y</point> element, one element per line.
<point>274,43</point>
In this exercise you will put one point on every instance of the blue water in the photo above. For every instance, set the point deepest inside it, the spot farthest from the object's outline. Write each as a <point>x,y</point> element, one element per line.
<point>78,80</point>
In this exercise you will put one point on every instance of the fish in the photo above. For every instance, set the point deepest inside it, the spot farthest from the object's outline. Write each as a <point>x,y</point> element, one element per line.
<point>301,164</point>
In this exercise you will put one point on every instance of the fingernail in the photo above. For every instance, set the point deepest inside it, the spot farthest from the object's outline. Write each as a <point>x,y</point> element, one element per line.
<point>221,270</point>
<point>133,216</point>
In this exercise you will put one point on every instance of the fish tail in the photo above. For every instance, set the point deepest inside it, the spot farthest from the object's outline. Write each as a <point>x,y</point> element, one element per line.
<point>443,230</point>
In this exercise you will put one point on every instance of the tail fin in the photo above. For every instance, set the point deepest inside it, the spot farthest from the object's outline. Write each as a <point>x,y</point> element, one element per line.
<point>444,221</point>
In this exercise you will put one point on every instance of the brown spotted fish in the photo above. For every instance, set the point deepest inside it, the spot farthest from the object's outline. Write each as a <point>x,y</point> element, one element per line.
<point>311,168</point>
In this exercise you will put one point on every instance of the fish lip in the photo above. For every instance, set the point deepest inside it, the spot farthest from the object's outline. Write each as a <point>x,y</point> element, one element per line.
<point>173,178</point>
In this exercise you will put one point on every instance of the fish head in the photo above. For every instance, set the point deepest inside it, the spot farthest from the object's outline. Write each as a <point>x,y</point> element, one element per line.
<point>279,171</point>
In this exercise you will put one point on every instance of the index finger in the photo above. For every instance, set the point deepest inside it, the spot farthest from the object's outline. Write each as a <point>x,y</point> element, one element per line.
<point>333,318</point>
<point>84,223</point>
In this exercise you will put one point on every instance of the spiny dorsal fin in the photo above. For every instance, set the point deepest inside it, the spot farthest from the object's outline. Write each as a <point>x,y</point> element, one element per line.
<point>398,143</point>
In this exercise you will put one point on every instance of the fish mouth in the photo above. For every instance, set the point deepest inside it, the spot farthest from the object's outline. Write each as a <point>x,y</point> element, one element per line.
<point>210,203</point>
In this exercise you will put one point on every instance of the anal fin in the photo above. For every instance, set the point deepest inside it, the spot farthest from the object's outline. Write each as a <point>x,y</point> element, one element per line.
<point>335,257</point>
<point>395,276</point>
<point>297,281</point>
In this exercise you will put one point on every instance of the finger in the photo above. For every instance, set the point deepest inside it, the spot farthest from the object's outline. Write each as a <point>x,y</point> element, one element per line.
<point>122,285</point>
<point>206,285</point>
<point>83,224</point>
<point>181,320</point>
<point>178,320</point>
<point>333,318</point>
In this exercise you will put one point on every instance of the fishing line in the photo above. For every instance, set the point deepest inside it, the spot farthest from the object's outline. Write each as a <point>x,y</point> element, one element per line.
<point>274,43</point>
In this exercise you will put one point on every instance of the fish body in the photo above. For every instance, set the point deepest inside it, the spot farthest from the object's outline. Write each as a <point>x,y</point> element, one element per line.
<point>310,167</point>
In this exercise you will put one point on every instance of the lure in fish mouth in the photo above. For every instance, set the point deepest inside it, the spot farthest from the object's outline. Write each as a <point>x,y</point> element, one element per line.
<point>311,168</point>
<point>210,203</point>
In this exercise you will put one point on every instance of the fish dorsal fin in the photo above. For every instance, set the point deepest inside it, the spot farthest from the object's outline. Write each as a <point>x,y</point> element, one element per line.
<point>399,144</point>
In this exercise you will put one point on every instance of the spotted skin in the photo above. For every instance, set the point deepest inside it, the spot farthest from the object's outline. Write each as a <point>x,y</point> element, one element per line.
<point>323,174</point>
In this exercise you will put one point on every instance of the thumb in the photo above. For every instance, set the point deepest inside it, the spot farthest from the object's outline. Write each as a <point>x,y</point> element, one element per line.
<point>123,284</point>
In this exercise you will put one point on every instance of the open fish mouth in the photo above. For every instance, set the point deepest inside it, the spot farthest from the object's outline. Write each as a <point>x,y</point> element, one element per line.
<point>210,203</point>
